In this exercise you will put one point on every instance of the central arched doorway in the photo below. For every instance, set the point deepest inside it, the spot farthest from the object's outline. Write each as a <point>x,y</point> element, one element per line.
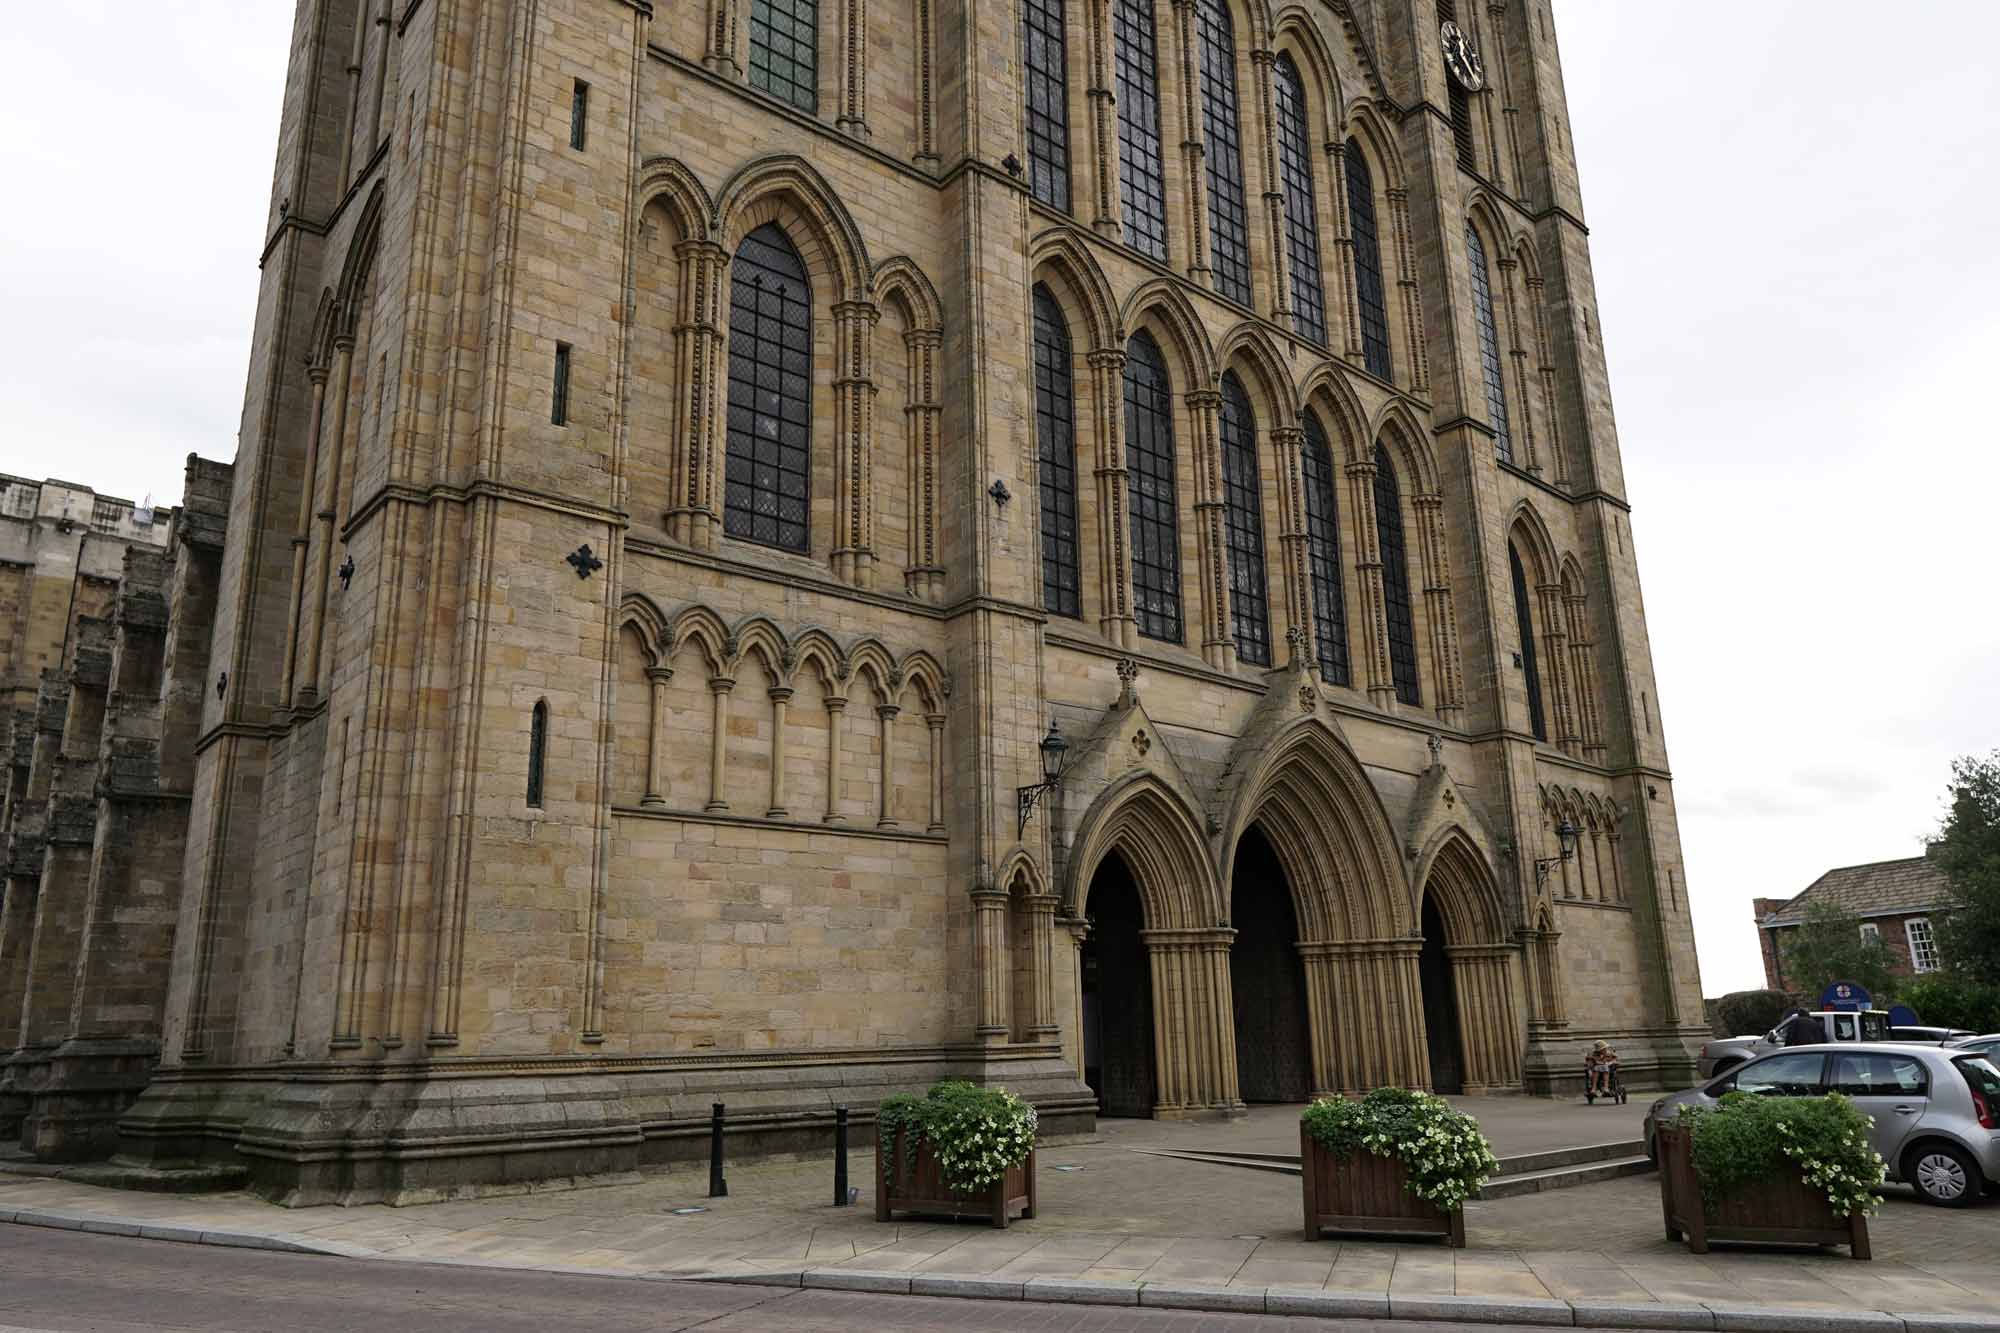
<point>1267,979</point>
<point>1440,1006</point>
<point>1117,996</point>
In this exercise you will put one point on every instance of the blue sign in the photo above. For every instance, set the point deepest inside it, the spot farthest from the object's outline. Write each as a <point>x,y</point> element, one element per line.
<point>1902,1016</point>
<point>1844,995</point>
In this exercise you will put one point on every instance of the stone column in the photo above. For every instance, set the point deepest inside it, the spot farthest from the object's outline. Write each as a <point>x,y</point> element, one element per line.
<point>1218,645</point>
<point>1194,1039</point>
<point>853,116</point>
<point>1101,97</point>
<point>1583,659</point>
<point>1482,976</point>
<point>1293,550</point>
<point>1373,613</point>
<point>694,517</point>
<point>1559,685</point>
<point>887,815</point>
<point>1114,553</point>
<point>354,57</point>
<point>1262,62</point>
<point>935,721</point>
<point>302,533</point>
<point>656,738</point>
<point>926,82</point>
<point>925,578</point>
<point>385,30</point>
<point>1343,251</point>
<point>1078,930</point>
<point>854,414</point>
<point>989,926</point>
<point>780,696</point>
<point>1041,909</point>
<point>1440,614</point>
<point>836,708</point>
<point>1523,429</point>
<point>719,688</point>
<point>719,54</point>
<point>343,369</point>
<point>1194,167</point>
<point>1545,373</point>
<point>1417,352</point>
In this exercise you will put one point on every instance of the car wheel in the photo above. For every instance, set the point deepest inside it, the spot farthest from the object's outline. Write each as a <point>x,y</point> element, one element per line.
<point>1944,1175</point>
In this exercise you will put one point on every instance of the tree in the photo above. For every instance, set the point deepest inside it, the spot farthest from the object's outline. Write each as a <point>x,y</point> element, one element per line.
<point>1830,947</point>
<point>1968,851</point>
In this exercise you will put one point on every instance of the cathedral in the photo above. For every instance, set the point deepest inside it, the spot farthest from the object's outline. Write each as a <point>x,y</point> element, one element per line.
<point>784,550</point>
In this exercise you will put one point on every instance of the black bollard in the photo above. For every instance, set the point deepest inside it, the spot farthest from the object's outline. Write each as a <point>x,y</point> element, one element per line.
<point>718,1188</point>
<point>840,1157</point>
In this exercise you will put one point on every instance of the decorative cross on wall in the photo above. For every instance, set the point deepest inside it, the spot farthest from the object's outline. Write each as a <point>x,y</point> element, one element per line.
<point>583,562</point>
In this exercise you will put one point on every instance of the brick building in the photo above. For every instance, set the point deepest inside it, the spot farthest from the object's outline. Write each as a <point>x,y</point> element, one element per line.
<point>1897,901</point>
<point>692,457</point>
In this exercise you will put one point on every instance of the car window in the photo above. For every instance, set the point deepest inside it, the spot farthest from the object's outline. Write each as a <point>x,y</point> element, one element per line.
<point>1982,1074</point>
<point>1867,1075</point>
<point>1793,1075</point>
<point>1874,1026</point>
<point>1843,1027</point>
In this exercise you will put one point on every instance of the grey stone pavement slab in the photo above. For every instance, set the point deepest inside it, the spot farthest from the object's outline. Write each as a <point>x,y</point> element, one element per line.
<point>1131,1228</point>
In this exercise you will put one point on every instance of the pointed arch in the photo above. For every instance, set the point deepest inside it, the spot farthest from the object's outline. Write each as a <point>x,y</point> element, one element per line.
<point>640,612</point>
<point>1402,432</point>
<point>1456,875</point>
<point>360,260</point>
<point>921,670</point>
<point>1297,33</point>
<point>1249,350</point>
<point>871,659</point>
<point>1158,834</point>
<point>704,629</point>
<point>760,637</point>
<point>786,189</point>
<point>1160,307</point>
<point>1057,259</point>
<point>326,321</point>
<point>1366,126</point>
<point>815,648</point>
<point>1527,525</point>
<point>900,280</point>
<point>1327,392</point>
<point>672,184</point>
<point>1020,873</point>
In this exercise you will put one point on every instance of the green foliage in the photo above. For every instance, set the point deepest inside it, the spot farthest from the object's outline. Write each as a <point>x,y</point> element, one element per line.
<point>976,1133</point>
<point>1953,999</point>
<point>1830,947</point>
<point>1446,1157</point>
<point>1746,1013</point>
<point>1748,1139</point>
<point>1968,851</point>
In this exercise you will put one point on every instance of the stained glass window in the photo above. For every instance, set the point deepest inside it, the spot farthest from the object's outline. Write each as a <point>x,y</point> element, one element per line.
<point>784,50</point>
<point>1044,46</point>
<point>1489,346</point>
<point>767,485</point>
<point>1301,210</point>
<point>1243,527</point>
<point>1373,308</point>
<point>1142,178</point>
<point>1228,214</point>
<point>1323,556</point>
<point>1525,623</point>
<point>1395,579</point>
<point>1055,439</point>
<point>1149,463</point>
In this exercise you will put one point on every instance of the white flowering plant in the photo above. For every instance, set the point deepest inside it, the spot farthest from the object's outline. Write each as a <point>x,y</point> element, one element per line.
<point>1747,1138</point>
<point>1445,1158</point>
<point>976,1134</point>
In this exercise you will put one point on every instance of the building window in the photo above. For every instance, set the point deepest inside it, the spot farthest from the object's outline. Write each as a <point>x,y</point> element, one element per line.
<point>1044,50</point>
<point>1141,176</point>
<point>768,483</point>
<point>106,514</point>
<point>1149,463</point>
<point>1525,625</point>
<point>1923,944</point>
<point>1243,526</point>
<point>1055,440</point>
<point>579,114</point>
<point>1870,931</point>
<point>784,50</point>
<point>1228,215</point>
<point>1489,345</point>
<point>1372,305</point>
<point>1301,212</point>
<point>1323,557</point>
<point>1395,579</point>
<point>538,744</point>
<point>559,394</point>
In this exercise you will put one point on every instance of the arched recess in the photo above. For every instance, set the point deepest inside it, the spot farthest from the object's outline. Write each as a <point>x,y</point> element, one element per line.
<point>1369,134</point>
<point>1542,957</point>
<point>1578,620</point>
<point>906,478</point>
<point>1015,937</point>
<point>1156,959</point>
<point>1303,791</point>
<point>639,704</point>
<point>679,287</point>
<point>1464,927</point>
<point>1440,664</point>
<point>1249,353</point>
<point>1543,632</point>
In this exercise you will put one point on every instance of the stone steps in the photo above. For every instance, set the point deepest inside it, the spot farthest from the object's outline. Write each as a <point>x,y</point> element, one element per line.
<point>1525,1173</point>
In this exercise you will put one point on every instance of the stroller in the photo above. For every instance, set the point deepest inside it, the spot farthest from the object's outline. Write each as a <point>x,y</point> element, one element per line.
<point>1600,1076</point>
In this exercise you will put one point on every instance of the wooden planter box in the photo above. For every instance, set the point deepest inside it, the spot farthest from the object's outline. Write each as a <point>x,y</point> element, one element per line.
<point>1783,1209</point>
<point>907,1180</point>
<point>1367,1193</point>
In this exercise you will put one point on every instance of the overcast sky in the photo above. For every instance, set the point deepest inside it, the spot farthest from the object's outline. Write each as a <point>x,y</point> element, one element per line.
<point>1793,214</point>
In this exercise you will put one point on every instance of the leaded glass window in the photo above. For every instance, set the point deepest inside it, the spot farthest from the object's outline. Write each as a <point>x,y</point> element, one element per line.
<point>1525,623</point>
<point>1323,557</point>
<point>784,50</point>
<point>1055,439</point>
<point>538,744</point>
<point>1044,46</point>
<point>1373,308</point>
<point>1489,346</point>
<point>1395,579</point>
<point>1301,211</point>
<point>767,485</point>
<point>1149,464</point>
<point>1228,214</point>
<point>1243,527</point>
<point>1142,179</point>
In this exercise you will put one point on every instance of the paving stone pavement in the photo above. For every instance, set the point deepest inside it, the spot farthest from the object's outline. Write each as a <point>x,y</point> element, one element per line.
<point>1123,1221</point>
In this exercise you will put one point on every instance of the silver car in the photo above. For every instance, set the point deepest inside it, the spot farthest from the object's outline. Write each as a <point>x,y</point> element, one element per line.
<point>1988,1045</point>
<point>1936,1109</point>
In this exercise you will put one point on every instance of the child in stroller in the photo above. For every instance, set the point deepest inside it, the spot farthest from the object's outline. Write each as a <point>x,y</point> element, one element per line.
<point>1600,1074</point>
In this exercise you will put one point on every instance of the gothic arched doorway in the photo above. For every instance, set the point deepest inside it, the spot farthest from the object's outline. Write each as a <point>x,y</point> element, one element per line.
<point>1117,996</point>
<point>1440,1006</point>
<point>1267,980</point>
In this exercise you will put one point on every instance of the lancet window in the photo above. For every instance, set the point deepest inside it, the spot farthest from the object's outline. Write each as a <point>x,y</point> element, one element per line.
<point>1323,556</point>
<point>1243,525</point>
<point>1055,439</point>
<point>1149,463</point>
<point>769,467</point>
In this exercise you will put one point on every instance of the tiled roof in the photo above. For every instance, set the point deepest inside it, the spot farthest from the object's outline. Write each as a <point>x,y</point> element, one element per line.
<point>1913,884</point>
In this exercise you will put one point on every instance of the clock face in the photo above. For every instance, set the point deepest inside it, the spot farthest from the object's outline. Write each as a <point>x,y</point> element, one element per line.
<point>1460,59</point>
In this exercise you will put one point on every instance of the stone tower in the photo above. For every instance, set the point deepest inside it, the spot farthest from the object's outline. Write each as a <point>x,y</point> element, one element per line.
<point>692,455</point>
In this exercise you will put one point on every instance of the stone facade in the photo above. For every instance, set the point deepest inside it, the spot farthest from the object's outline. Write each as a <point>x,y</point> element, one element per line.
<point>586,757</point>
